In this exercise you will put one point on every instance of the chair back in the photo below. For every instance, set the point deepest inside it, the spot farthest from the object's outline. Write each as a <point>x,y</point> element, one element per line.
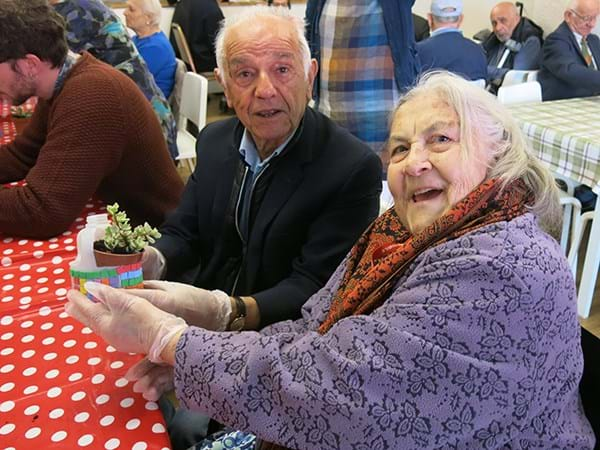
<point>589,386</point>
<point>182,46</point>
<point>175,97</point>
<point>529,92</point>
<point>194,95</point>
<point>513,77</point>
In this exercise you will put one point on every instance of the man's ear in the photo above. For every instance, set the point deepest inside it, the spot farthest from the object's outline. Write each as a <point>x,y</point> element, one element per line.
<point>29,66</point>
<point>313,69</point>
<point>221,79</point>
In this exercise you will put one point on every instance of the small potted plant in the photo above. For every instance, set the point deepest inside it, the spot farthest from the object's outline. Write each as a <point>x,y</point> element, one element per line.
<point>122,245</point>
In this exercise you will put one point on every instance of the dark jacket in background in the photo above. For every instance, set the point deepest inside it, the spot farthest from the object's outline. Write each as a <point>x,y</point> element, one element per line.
<point>421,28</point>
<point>309,206</point>
<point>564,73</point>
<point>199,20</point>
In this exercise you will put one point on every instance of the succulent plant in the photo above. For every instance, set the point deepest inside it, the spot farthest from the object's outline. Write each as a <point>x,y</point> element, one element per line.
<point>121,238</point>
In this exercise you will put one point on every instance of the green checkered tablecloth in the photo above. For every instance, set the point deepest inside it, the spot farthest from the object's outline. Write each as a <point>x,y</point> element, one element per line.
<point>565,135</point>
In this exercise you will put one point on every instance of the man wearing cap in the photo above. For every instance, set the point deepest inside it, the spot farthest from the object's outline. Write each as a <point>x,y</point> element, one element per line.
<point>515,43</point>
<point>447,48</point>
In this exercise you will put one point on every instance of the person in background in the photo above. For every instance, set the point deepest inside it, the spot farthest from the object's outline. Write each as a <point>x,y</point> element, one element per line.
<point>515,43</point>
<point>571,54</point>
<point>421,28</point>
<point>199,20</point>
<point>287,3</point>
<point>447,48</point>
<point>92,133</point>
<point>94,27</point>
<point>143,17</point>
<point>452,322</point>
<point>366,54</point>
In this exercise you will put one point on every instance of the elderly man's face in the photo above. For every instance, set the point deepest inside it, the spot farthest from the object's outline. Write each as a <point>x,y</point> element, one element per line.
<point>582,19</point>
<point>14,85</point>
<point>265,82</point>
<point>427,175</point>
<point>504,20</point>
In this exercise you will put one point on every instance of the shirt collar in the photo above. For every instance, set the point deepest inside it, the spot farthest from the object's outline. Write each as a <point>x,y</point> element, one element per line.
<point>70,61</point>
<point>250,153</point>
<point>445,30</point>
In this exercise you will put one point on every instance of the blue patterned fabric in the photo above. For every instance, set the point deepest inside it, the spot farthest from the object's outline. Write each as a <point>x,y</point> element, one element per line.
<point>94,27</point>
<point>477,347</point>
<point>228,440</point>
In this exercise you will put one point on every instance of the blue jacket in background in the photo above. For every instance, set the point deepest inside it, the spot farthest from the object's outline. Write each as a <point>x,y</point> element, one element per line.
<point>448,49</point>
<point>398,21</point>
<point>563,72</point>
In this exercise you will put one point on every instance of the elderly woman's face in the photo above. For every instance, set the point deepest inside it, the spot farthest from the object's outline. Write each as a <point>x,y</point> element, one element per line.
<point>427,174</point>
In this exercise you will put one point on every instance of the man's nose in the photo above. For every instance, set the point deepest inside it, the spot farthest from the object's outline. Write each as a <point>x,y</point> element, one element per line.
<point>264,86</point>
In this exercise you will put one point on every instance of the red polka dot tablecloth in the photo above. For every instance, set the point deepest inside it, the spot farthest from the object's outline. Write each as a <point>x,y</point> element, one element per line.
<point>61,386</point>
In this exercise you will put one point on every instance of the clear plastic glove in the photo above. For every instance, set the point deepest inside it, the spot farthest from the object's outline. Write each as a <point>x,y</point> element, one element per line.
<point>154,264</point>
<point>128,323</point>
<point>198,307</point>
<point>152,380</point>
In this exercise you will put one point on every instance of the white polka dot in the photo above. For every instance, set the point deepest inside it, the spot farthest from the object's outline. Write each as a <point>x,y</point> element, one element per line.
<point>38,254</point>
<point>28,338</point>
<point>86,330</point>
<point>7,406</point>
<point>133,424</point>
<point>42,280</point>
<point>61,292</point>
<point>7,368</point>
<point>7,240</point>
<point>90,345</point>
<point>50,356</point>
<point>44,311</point>
<point>98,378</point>
<point>8,298</point>
<point>56,260</point>
<point>85,440</point>
<point>29,371</point>
<point>31,410</point>
<point>116,364</point>
<point>70,343</point>
<point>121,382</point>
<point>58,271</point>
<point>6,261</point>
<point>70,248</point>
<point>139,446</point>
<point>67,241</point>
<point>42,290</point>
<point>26,324</point>
<point>23,242</point>
<point>32,433</point>
<point>102,399</point>
<point>54,392</point>
<point>30,389</point>
<point>46,326</point>
<point>6,320</point>
<point>82,417</point>
<point>49,340</point>
<point>107,420</point>
<point>7,336</point>
<point>28,353</point>
<point>8,287</point>
<point>58,436</point>
<point>94,361</point>
<point>67,328</point>
<point>126,402</point>
<point>8,251</point>
<point>7,351</point>
<point>59,281</point>
<point>151,406</point>
<point>7,428</point>
<point>56,413</point>
<point>25,300</point>
<point>24,267</point>
<point>75,376</point>
<point>8,276</point>
<point>41,269</point>
<point>25,289</point>
<point>111,444</point>
<point>52,374</point>
<point>78,396</point>
<point>25,278</point>
<point>52,247</point>
<point>110,349</point>
<point>72,359</point>
<point>63,315</point>
<point>158,428</point>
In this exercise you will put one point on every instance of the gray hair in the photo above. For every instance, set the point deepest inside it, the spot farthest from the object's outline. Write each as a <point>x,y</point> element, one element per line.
<point>153,9</point>
<point>253,14</point>
<point>574,4</point>
<point>452,19</point>
<point>487,124</point>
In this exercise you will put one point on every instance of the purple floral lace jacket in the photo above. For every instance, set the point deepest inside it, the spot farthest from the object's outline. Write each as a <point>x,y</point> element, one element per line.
<point>477,347</point>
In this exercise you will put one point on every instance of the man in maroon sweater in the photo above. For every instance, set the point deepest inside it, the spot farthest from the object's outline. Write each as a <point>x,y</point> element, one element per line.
<point>93,132</point>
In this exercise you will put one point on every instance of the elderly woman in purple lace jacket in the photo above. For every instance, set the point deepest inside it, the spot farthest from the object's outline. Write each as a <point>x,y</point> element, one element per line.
<point>451,323</point>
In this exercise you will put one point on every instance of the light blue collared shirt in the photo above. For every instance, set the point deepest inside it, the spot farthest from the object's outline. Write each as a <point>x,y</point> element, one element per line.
<point>444,30</point>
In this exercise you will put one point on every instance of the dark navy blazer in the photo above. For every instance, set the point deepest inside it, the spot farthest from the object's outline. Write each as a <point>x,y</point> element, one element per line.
<point>564,73</point>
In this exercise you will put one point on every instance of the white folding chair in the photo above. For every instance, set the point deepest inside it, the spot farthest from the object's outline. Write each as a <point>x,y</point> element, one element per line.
<point>529,92</point>
<point>513,77</point>
<point>194,94</point>
<point>386,201</point>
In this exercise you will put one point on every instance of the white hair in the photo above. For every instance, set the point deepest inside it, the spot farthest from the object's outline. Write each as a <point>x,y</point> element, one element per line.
<point>487,125</point>
<point>153,9</point>
<point>574,4</point>
<point>252,15</point>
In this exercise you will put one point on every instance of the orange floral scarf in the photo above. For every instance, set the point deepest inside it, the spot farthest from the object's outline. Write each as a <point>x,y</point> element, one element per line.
<point>386,248</point>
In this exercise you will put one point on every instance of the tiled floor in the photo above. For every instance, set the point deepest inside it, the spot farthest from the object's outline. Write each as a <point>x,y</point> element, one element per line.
<point>592,323</point>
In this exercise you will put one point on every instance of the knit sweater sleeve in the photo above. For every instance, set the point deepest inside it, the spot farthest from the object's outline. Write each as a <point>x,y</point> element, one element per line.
<point>85,132</point>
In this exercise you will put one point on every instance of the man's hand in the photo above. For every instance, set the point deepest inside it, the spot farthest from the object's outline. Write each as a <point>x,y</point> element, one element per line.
<point>152,380</point>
